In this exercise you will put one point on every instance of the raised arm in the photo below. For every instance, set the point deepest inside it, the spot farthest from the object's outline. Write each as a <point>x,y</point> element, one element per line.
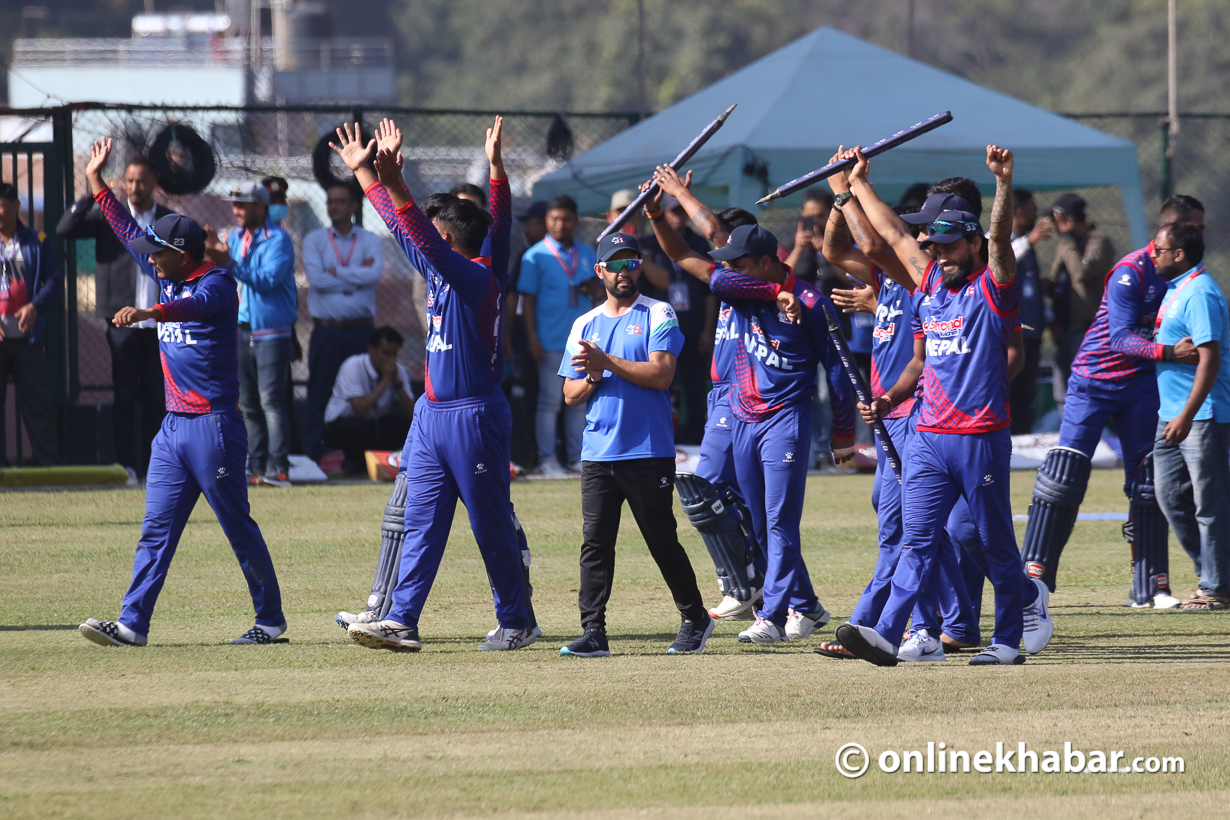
<point>669,240</point>
<point>702,217</point>
<point>499,235</point>
<point>888,225</point>
<point>121,222</point>
<point>1003,259</point>
<point>732,286</point>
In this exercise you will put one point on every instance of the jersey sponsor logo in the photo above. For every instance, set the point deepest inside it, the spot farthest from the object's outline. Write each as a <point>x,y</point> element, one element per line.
<point>175,333</point>
<point>765,353</point>
<point>944,327</point>
<point>1034,569</point>
<point>883,333</point>
<point>634,330</point>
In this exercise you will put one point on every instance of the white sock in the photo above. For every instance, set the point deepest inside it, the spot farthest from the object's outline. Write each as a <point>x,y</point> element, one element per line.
<point>126,633</point>
<point>273,631</point>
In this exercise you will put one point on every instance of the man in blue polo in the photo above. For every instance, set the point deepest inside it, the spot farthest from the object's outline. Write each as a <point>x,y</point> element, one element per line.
<point>618,363</point>
<point>1191,452</point>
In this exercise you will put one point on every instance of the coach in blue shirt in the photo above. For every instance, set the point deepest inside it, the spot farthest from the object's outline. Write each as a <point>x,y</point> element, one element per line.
<point>618,362</point>
<point>1191,452</point>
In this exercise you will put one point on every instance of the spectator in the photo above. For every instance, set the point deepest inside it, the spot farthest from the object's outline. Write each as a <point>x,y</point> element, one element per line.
<point>29,282</point>
<point>261,256</point>
<point>277,188</point>
<point>1191,451</point>
<point>1083,257</point>
<point>521,373</point>
<point>805,258</point>
<point>1027,231</point>
<point>696,309</point>
<point>371,405</point>
<point>136,367</point>
<point>557,276</point>
<point>654,276</point>
<point>343,263</point>
<point>470,191</point>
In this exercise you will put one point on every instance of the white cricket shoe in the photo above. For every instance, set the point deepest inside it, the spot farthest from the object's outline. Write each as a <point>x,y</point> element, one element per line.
<point>998,653</point>
<point>346,619</point>
<point>921,647</point>
<point>800,625</point>
<point>1038,624</point>
<point>110,633</point>
<point>1162,600</point>
<point>732,609</point>
<point>552,469</point>
<point>508,639</point>
<point>390,635</point>
<point>763,631</point>
<point>535,634</point>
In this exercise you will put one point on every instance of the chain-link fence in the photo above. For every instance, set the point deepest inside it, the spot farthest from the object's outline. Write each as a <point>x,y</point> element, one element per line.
<point>441,149</point>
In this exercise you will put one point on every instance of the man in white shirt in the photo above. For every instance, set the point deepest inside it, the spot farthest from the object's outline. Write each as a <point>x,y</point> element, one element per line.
<point>343,263</point>
<point>371,404</point>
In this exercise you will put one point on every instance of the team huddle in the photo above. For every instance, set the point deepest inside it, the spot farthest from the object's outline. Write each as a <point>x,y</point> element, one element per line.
<point>946,344</point>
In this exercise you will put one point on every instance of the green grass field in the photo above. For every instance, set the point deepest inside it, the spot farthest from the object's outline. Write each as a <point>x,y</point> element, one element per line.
<point>193,727</point>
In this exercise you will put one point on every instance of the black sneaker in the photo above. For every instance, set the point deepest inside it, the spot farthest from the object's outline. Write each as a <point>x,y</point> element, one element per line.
<point>590,645</point>
<point>692,636</point>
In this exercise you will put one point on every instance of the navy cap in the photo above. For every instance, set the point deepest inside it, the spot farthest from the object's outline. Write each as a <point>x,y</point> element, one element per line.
<point>1069,205</point>
<point>537,210</point>
<point>951,226</point>
<point>746,240</point>
<point>174,231</point>
<point>615,242</point>
<point>935,205</point>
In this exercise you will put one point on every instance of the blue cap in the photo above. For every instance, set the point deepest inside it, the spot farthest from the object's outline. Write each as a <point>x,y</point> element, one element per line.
<point>746,240</point>
<point>935,205</point>
<point>174,231</point>
<point>537,210</point>
<point>951,226</point>
<point>615,242</point>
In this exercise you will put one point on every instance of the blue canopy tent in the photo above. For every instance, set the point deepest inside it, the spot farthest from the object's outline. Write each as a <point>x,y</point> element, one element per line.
<point>826,89</point>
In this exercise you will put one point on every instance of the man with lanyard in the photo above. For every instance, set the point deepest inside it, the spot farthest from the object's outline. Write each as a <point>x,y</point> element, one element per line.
<point>962,446</point>
<point>555,281</point>
<point>136,369</point>
<point>201,447</point>
<point>897,362</point>
<point>1192,450</point>
<point>343,263</point>
<point>774,380</point>
<point>619,364</point>
<point>261,257</point>
<point>459,439</point>
<point>1114,377</point>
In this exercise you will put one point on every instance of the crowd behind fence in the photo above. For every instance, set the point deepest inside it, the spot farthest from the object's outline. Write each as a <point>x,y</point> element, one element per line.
<point>443,148</point>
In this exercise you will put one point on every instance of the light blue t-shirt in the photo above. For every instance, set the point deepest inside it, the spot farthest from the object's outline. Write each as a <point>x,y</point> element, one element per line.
<point>1194,306</point>
<point>624,420</point>
<point>559,298</point>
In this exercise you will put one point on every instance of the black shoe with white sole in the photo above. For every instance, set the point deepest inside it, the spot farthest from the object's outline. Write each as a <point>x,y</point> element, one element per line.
<point>262,635</point>
<point>692,636</point>
<point>108,633</point>
<point>867,644</point>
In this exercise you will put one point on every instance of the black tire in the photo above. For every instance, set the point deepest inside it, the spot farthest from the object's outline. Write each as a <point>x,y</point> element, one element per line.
<point>187,170</point>
<point>322,157</point>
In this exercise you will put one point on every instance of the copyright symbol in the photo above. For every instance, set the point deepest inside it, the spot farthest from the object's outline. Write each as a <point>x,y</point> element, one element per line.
<point>848,762</point>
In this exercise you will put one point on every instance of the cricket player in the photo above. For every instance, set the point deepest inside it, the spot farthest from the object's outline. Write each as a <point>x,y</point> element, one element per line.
<point>728,534</point>
<point>962,445</point>
<point>202,445</point>
<point>1114,377</point>
<point>458,445</point>
<point>775,365</point>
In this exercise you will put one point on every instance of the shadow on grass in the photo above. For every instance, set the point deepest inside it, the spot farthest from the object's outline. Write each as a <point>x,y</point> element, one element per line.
<point>36,627</point>
<point>1076,652</point>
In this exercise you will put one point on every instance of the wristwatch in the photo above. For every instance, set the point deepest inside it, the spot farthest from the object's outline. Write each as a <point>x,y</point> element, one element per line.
<point>842,199</point>
<point>589,379</point>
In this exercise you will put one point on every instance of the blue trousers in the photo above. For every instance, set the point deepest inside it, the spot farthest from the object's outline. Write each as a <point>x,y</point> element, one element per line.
<point>329,347</point>
<point>460,449</point>
<point>940,468</point>
<point>960,619</point>
<point>952,601</point>
<point>192,455</point>
<point>771,467</point>
<point>1132,405</point>
<point>264,368</point>
<point>717,452</point>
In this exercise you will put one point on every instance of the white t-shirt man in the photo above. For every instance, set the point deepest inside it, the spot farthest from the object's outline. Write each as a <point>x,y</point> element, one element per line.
<point>357,377</point>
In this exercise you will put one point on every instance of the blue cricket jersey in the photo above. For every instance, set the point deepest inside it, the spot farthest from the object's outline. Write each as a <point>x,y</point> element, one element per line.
<point>198,319</point>
<point>625,420</point>
<point>967,332</point>
<point>1196,307</point>
<point>1119,345</point>
<point>465,350</point>
<point>775,360</point>
<point>892,342</point>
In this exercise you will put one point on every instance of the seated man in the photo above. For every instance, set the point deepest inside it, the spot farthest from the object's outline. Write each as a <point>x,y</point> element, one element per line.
<point>371,404</point>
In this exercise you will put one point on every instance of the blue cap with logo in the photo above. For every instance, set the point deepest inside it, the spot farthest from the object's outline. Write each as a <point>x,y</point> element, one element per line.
<point>174,231</point>
<point>951,226</point>
<point>935,205</point>
<point>613,243</point>
<point>746,240</point>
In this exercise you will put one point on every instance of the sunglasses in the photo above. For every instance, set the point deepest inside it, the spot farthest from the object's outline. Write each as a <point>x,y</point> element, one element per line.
<point>940,226</point>
<point>153,236</point>
<point>621,265</point>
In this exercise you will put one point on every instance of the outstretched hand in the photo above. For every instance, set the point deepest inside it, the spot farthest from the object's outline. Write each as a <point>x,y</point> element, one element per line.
<point>100,152</point>
<point>668,180</point>
<point>1000,161</point>
<point>494,148</point>
<point>388,169</point>
<point>351,149</point>
<point>388,138</point>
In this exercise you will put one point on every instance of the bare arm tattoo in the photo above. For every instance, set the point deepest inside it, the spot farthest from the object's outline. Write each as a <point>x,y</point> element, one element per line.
<point>1002,258</point>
